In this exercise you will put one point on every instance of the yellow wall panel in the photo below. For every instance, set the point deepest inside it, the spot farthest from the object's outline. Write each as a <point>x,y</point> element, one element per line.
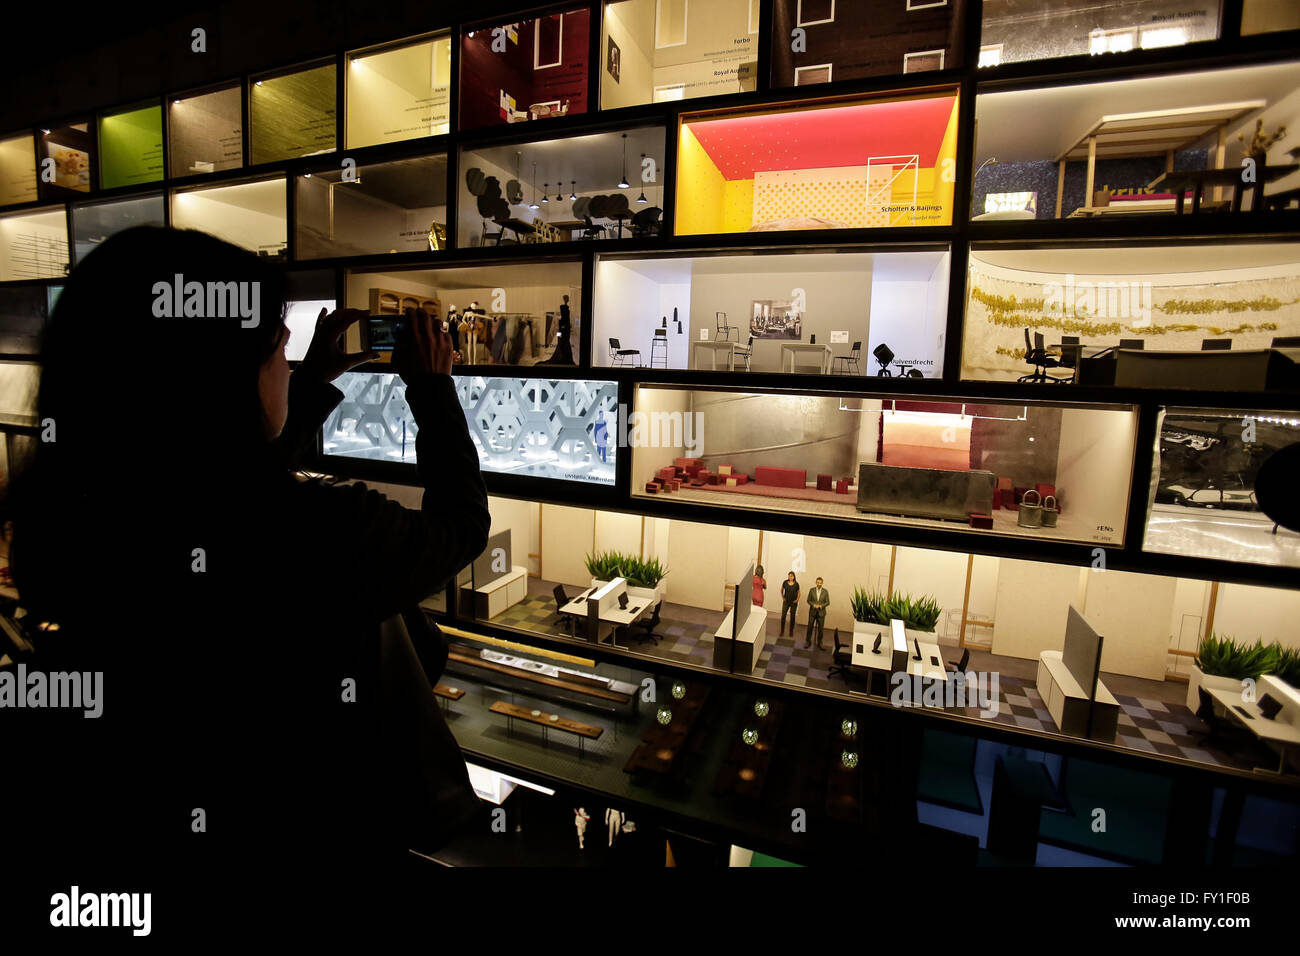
<point>738,205</point>
<point>700,189</point>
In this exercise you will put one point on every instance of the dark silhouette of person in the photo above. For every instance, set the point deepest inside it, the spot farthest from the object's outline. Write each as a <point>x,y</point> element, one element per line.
<point>563,354</point>
<point>268,726</point>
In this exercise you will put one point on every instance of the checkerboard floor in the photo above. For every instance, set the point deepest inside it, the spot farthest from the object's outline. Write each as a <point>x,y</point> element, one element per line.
<point>1146,724</point>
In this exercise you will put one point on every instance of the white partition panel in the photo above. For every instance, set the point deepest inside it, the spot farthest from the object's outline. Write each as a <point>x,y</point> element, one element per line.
<point>1131,613</point>
<point>1033,600</point>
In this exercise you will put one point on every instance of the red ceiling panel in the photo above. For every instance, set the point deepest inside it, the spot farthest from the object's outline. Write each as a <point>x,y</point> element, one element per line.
<point>830,136</point>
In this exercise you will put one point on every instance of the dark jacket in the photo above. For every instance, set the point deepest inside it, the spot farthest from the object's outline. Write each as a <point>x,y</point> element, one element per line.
<point>284,689</point>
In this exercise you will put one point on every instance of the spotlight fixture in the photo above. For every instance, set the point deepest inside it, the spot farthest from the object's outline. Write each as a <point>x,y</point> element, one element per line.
<point>664,715</point>
<point>533,204</point>
<point>623,183</point>
<point>259,82</point>
<point>750,736</point>
<point>641,198</point>
<point>546,187</point>
<point>761,707</point>
<point>573,192</point>
<point>679,690</point>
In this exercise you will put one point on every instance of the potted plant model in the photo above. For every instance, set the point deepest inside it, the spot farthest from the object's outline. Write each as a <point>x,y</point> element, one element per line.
<point>1223,663</point>
<point>604,566</point>
<point>872,610</point>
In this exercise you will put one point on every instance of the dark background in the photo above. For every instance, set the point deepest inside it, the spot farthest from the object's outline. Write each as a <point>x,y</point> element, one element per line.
<point>56,64</point>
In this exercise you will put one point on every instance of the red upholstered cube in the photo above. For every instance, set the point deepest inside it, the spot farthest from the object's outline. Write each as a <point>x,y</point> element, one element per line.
<point>686,463</point>
<point>842,486</point>
<point>1044,489</point>
<point>652,487</point>
<point>781,477</point>
<point>714,479</point>
<point>664,474</point>
<point>693,470</point>
<point>823,482</point>
<point>697,482</point>
<point>981,521</point>
<point>1004,484</point>
<point>674,484</point>
<point>741,479</point>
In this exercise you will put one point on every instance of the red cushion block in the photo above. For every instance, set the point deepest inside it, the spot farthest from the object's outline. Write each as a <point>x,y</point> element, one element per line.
<point>842,486</point>
<point>1044,489</point>
<point>823,482</point>
<point>665,474</point>
<point>781,477</point>
<point>741,479</point>
<point>652,487</point>
<point>981,521</point>
<point>686,463</point>
<point>714,479</point>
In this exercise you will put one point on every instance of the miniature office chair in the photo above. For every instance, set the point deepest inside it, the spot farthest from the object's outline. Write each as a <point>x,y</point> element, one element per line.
<point>746,353</point>
<point>1218,727</point>
<point>722,330</point>
<point>1070,352</point>
<point>649,626</point>
<point>960,666</point>
<point>561,599</point>
<point>1036,355</point>
<point>851,359</point>
<point>839,658</point>
<point>619,356</point>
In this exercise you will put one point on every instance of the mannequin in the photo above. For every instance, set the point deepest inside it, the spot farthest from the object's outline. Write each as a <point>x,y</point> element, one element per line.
<point>615,820</point>
<point>580,818</point>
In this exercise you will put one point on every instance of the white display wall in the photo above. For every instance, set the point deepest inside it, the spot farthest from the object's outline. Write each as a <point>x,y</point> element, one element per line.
<point>34,245</point>
<point>251,215</point>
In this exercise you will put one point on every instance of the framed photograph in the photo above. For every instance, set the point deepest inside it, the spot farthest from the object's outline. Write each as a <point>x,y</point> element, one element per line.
<point>775,319</point>
<point>612,61</point>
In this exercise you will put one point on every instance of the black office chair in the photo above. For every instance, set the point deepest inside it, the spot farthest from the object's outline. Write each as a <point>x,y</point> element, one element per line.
<point>1286,342</point>
<point>746,353</point>
<point>960,666</point>
<point>1132,344</point>
<point>839,658</point>
<point>590,230</point>
<point>649,627</point>
<point>1036,355</point>
<point>561,599</point>
<point>1071,351</point>
<point>1216,345</point>
<point>619,356</point>
<point>1218,727</point>
<point>851,359</point>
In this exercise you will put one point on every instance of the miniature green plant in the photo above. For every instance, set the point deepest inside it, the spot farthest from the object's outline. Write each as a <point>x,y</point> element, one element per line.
<point>872,607</point>
<point>639,572</point>
<point>1226,657</point>
<point>1287,665</point>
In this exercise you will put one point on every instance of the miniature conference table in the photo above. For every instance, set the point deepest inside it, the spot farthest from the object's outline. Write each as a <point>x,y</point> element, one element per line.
<point>639,602</point>
<point>791,351</point>
<point>714,347</point>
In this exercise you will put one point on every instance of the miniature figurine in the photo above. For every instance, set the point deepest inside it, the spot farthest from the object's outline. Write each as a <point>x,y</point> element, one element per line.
<point>789,602</point>
<point>818,601</point>
<point>563,354</point>
<point>580,818</point>
<point>760,585</point>
<point>615,820</point>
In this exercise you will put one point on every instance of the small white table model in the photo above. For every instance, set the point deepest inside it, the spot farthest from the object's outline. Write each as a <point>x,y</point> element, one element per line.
<point>790,353</point>
<point>713,348</point>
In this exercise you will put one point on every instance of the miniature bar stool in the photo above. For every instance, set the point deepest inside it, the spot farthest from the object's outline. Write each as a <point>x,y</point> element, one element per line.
<point>659,349</point>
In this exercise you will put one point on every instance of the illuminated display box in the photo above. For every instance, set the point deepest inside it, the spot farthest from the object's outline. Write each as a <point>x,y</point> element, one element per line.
<point>599,186</point>
<point>393,207</point>
<point>844,164</point>
<point>69,154</point>
<point>760,310</point>
<point>832,40</point>
<point>131,147</point>
<point>248,214</point>
<point>23,311</point>
<point>398,91</point>
<point>205,132</point>
<point>1103,310</point>
<point>92,223</point>
<point>659,50</point>
<point>536,427</point>
<point>531,69</point>
<point>292,114</point>
<point>17,169</point>
<point>504,314</point>
<point>34,245</point>
<point>929,463</point>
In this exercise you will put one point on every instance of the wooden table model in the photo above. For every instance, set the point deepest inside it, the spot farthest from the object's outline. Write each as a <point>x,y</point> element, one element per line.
<point>446,693</point>
<point>1153,133</point>
<point>513,712</point>
<point>792,350</point>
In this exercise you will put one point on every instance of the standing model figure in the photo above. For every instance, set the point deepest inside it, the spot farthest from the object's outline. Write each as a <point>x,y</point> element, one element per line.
<point>615,820</point>
<point>818,601</point>
<point>760,585</point>
<point>789,601</point>
<point>580,818</point>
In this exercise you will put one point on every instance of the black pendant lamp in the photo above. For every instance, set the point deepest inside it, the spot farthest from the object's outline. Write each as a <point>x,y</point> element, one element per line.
<point>546,187</point>
<point>573,193</point>
<point>641,198</point>
<point>623,183</point>
<point>533,204</point>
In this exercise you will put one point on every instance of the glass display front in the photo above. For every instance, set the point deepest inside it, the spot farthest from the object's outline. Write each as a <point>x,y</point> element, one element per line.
<point>1168,145</point>
<point>1042,471</point>
<point>371,210</point>
<point>68,160</point>
<point>866,163</point>
<point>23,311</point>
<point>522,71</point>
<point>1204,503</point>
<point>504,314</point>
<point>535,427</point>
<point>34,245</point>
<point>835,311</point>
<point>1019,30</point>
<point>659,50</point>
<point>131,147</point>
<point>602,186</point>
<point>205,132</point>
<point>251,215</point>
<point>398,92</point>
<point>1213,316</point>
<point>850,39</point>
<point>92,223</point>
<point>292,114</point>
<point>17,169</point>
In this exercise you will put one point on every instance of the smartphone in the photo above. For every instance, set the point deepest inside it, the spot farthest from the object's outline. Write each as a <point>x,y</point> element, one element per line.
<point>379,332</point>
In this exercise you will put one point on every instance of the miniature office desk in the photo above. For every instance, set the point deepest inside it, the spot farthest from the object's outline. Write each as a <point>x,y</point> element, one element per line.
<point>791,350</point>
<point>728,348</point>
<point>748,644</point>
<point>930,666</point>
<point>640,601</point>
<point>1275,732</point>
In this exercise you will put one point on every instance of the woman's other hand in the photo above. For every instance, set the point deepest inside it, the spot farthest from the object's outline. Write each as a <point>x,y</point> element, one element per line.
<point>422,346</point>
<point>325,358</point>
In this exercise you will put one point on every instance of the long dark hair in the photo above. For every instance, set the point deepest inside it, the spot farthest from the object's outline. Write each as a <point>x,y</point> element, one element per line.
<point>140,412</point>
